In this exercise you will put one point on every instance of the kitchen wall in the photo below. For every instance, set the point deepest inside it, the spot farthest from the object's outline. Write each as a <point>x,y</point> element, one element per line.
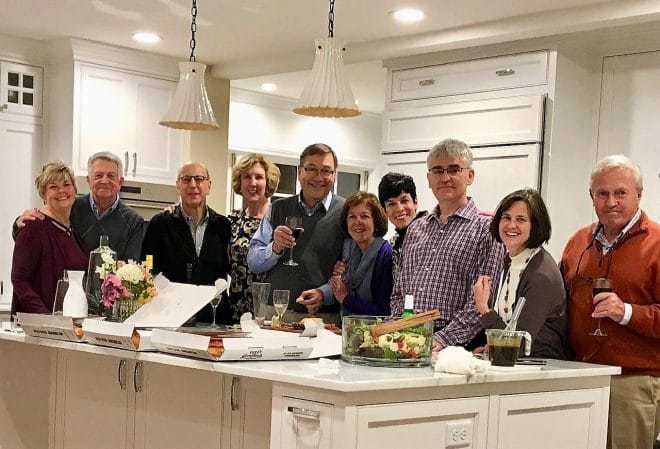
<point>265,124</point>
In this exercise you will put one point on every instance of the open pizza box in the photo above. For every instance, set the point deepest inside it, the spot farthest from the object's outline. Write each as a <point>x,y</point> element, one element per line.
<point>174,305</point>
<point>258,344</point>
<point>56,327</point>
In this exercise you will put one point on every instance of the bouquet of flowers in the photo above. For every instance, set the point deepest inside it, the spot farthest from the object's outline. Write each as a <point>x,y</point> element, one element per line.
<point>126,287</point>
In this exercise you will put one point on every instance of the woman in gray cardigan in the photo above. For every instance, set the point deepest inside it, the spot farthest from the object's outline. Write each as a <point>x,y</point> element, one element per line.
<point>522,223</point>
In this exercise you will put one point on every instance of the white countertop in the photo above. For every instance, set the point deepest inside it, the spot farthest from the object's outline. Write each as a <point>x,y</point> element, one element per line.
<point>346,378</point>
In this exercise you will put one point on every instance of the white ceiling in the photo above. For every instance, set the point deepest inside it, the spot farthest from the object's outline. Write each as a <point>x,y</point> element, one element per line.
<point>248,38</point>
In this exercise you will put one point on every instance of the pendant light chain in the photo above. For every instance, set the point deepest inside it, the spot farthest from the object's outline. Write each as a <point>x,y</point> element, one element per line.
<point>331,19</point>
<point>193,29</point>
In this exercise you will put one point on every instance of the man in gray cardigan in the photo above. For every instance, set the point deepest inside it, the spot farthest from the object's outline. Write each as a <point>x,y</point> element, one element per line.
<point>102,212</point>
<point>316,249</point>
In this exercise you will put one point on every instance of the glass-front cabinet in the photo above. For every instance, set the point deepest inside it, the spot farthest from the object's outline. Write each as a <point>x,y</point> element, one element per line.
<point>21,87</point>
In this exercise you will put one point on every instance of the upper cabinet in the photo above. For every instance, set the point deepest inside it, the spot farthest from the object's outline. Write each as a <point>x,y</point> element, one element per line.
<point>119,112</point>
<point>21,89</point>
<point>101,98</point>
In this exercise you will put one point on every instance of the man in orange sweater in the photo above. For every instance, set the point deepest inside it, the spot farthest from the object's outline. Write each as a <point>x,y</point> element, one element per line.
<point>624,247</point>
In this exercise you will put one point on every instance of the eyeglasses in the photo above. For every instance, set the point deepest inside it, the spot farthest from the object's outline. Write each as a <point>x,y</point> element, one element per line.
<point>325,172</point>
<point>452,170</point>
<point>188,179</point>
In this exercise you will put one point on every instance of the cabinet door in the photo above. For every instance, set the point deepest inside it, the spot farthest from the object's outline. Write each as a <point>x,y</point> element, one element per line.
<point>156,155</point>
<point>105,115</point>
<point>177,407</point>
<point>629,110</point>
<point>21,88</point>
<point>498,171</point>
<point>20,147</point>
<point>302,424</point>
<point>93,402</point>
<point>248,405</point>
<point>459,423</point>
<point>571,419</point>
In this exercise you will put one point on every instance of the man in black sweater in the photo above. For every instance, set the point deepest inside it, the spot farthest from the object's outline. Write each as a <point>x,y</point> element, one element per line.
<point>102,212</point>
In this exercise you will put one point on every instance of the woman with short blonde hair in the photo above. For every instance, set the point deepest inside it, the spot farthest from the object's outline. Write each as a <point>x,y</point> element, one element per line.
<point>255,178</point>
<point>45,248</point>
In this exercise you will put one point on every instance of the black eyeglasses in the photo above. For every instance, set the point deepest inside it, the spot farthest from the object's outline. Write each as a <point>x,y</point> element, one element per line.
<point>452,170</point>
<point>325,172</point>
<point>188,179</point>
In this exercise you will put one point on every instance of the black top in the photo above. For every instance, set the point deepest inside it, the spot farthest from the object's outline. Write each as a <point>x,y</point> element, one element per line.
<point>169,241</point>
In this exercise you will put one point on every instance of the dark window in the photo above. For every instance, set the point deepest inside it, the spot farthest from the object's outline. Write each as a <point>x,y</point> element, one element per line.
<point>288,179</point>
<point>12,96</point>
<point>347,183</point>
<point>28,81</point>
<point>12,79</point>
<point>28,99</point>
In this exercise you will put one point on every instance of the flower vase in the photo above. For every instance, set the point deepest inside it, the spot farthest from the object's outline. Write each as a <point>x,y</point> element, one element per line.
<point>124,308</point>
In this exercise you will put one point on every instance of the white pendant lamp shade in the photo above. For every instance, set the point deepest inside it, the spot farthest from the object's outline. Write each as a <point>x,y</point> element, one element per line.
<point>190,107</point>
<point>327,93</point>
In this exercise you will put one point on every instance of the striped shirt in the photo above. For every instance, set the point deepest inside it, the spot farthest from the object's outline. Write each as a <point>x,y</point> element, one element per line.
<point>439,265</point>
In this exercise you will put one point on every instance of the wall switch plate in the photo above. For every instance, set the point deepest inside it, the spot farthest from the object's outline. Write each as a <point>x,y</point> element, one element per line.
<point>458,434</point>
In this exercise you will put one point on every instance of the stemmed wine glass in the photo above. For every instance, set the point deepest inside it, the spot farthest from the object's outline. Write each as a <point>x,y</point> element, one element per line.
<point>280,303</point>
<point>600,285</point>
<point>215,302</point>
<point>220,285</point>
<point>295,223</point>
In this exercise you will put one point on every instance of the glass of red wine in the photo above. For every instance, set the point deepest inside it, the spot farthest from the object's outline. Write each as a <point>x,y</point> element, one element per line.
<point>600,285</point>
<point>295,223</point>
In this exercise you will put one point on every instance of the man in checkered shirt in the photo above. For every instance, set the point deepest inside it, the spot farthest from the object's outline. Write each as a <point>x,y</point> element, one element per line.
<point>446,251</point>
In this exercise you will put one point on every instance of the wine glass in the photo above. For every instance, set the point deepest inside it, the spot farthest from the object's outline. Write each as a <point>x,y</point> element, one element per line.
<point>220,286</point>
<point>600,285</point>
<point>260,292</point>
<point>280,303</point>
<point>215,302</point>
<point>295,223</point>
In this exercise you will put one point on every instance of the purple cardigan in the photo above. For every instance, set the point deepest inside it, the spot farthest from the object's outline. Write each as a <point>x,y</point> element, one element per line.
<point>381,288</point>
<point>43,250</point>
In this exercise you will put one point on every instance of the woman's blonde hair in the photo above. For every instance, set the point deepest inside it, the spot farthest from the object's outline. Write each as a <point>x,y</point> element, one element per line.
<point>245,163</point>
<point>53,172</point>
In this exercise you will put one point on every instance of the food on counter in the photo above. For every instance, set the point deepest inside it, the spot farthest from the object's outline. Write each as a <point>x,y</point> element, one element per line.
<point>412,345</point>
<point>216,348</point>
<point>77,330</point>
<point>135,339</point>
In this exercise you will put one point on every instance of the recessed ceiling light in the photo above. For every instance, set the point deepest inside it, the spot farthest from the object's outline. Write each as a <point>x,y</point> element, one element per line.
<point>408,15</point>
<point>268,87</point>
<point>145,37</point>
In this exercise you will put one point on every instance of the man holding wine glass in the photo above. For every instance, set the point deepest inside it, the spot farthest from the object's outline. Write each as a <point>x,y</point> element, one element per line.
<point>612,273</point>
<point>300,238</point>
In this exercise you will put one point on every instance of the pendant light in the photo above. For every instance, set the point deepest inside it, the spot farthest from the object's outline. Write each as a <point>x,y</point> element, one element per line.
<point>328,93</point>
<point>190,107</point>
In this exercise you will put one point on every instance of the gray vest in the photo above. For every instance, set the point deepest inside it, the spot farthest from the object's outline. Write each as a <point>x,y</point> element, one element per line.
<point>316,251</point>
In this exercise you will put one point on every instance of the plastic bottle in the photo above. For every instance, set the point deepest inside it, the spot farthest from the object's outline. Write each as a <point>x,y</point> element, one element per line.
<point>408,306</point>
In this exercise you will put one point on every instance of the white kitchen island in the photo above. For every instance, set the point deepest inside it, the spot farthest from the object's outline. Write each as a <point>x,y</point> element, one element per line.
<point>65,395</point>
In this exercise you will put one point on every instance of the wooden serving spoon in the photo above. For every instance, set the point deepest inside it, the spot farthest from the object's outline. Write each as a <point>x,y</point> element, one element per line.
<point>404,323</point>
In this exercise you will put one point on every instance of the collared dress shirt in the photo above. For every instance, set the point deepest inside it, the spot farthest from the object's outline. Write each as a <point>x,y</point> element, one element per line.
<point>197,230</point>
<point>439,265</point>
<point>95,209</point>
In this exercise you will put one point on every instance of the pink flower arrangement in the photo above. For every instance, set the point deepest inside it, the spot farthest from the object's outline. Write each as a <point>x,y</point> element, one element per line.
<point>112,290</point>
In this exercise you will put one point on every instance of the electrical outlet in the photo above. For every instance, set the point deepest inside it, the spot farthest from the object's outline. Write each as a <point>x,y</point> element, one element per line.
<point>458,434</point>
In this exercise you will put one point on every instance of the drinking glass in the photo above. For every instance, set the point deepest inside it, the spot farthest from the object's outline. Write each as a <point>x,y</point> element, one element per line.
<point>260,291</point>
<point>600,285</point>
<point>295,223</point>
<point>280,302</point>
<point>60,291</point>
<point>215,302</point>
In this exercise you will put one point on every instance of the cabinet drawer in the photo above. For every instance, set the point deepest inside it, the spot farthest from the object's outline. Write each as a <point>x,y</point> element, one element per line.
<point>459,423</point>
<point>305,424</point>
<point>481,75</point>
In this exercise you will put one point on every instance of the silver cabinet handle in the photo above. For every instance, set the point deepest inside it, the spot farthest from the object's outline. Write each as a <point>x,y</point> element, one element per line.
<point>134,163</point>
<point>424,83</point>
<point>137,377</point>
<point>4,107</point>
<point>235,384</point>
<point>126,163</point>
<point>504,72</point>
<point>305,412</point>
<point>121,374</point>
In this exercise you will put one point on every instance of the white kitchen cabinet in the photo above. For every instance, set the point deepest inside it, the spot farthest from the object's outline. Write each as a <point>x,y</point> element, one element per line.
<point>94,402</point>
<point>21,89</point>
<point>481,75</point>
<point>20,152</point>
<point>630,106</point>
<point>495,121</point>
<point>498,172</point>
<point>450,423</point>
<point>119,112</point>
<point>248,412</point>
<point>303,424</point>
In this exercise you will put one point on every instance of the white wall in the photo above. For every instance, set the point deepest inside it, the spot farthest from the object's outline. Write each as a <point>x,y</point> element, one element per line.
<point>265,124</point>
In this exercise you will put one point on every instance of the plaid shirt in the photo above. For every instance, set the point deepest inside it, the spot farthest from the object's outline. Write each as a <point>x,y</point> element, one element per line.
<point>439,265</point>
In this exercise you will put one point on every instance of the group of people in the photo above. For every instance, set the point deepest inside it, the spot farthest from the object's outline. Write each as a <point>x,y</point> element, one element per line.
<point>470,265</point>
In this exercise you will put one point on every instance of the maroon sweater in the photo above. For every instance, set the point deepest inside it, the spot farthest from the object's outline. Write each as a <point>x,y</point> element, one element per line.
<point>43,250</point>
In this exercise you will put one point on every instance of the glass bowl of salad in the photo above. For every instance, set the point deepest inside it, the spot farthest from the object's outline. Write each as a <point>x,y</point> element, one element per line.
<point>409,347</point>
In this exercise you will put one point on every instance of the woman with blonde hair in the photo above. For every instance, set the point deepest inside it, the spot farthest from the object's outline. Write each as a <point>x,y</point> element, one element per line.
<point>255,178</point>
<point>45,248</point>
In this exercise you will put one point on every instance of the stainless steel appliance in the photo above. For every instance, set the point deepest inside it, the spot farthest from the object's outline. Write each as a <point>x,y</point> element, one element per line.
<point>146,199</point>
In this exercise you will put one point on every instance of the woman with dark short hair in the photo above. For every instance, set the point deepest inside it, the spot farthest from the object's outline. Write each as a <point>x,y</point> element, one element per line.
<point>522,223</point>
<point>362,280</point>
